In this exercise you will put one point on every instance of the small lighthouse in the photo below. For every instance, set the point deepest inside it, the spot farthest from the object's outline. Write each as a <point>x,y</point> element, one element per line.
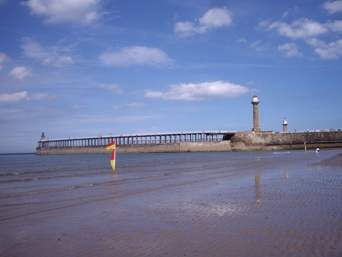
<point>285,125</point>
<point>255,102</point>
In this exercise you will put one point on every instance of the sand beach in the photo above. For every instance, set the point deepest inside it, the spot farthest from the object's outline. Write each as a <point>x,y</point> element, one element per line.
<point>237,204</point>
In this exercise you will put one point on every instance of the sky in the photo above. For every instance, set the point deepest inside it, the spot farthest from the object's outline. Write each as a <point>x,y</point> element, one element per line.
<point>84,68</point>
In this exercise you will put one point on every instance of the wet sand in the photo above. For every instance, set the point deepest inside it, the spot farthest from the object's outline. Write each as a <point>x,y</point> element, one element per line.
<point>286,213</point>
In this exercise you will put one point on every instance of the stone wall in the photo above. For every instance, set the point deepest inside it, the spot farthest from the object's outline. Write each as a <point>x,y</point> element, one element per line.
<point>214,146</point>
<point>261,141</point>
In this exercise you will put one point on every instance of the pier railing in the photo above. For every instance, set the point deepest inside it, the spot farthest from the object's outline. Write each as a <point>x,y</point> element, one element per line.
<point>137,139</point>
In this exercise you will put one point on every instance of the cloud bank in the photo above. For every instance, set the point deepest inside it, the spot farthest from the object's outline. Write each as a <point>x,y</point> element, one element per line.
<point>333,6</point>
<point>47,56</point>
<point>59,11</point>
<point>214,18</point>
<point>332,50</point>
<point>130,106</point>
<point>136,55</point>
<point>291,50</point>
<point>302,28</point>
<point>201,91</point>
<point>20,72</point>
<point>308,30</point>
<point>9,99</point>
<point>114,88</point>
<point>3,58</point>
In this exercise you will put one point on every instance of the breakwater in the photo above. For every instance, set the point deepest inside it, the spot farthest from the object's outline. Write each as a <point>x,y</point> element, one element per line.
<point>151,143</point>
<point>193,142</point>
<point>269,140</point>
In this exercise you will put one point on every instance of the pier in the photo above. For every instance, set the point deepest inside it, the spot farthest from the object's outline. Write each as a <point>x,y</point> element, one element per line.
<point>135,140</point>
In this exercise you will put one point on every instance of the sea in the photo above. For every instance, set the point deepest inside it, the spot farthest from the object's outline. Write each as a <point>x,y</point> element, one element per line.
<point>52,198</point>
<point>30,174</point>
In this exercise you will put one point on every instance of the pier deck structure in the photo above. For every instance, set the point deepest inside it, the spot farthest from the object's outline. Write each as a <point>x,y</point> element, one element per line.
<point>156,138</point>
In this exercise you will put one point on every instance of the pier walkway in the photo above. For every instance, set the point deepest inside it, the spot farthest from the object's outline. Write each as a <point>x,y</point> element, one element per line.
<point>156,138</point>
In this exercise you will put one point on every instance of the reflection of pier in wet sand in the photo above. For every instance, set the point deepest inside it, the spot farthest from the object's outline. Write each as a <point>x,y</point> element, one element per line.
<point>258,188</point>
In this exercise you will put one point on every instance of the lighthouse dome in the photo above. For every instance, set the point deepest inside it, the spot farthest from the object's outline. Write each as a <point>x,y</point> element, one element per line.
<point>255,100</point>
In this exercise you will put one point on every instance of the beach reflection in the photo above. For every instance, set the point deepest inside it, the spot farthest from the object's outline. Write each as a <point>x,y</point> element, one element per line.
<point>257,188</point>
<point>287,174</point>
<point>113,176</point>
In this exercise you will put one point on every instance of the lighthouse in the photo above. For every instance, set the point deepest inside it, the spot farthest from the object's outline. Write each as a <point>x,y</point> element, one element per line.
<point>255,102</point>
<point>285,126</point>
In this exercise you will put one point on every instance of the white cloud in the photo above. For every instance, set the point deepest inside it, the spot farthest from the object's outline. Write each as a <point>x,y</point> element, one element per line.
<point>33,50</point>
<point>335,26</point>
<point>186,28</point>
<point>20,72</point>
<point>333,6</point>
<point>139,55</point>
<point>201,91</point>
<point>264,23</point>
<point>59,11</point>
<point>332,50</point>
<point>78,107</point>
<point>41,96</point>
<point>256,45</point>
<point>136,105</point>
<point>308,30</point>
<point>214,18</point>
<point>9,99</point>
<point>241,40</point>
<point>131,105</point>
<point>302,28</point>
<point>114,88</point>
<point>3,58</point>
<point>58,61</point>
<point>46,56</point>
<point>315,42</point>
<point>135,118</point>
<point>291,50</point>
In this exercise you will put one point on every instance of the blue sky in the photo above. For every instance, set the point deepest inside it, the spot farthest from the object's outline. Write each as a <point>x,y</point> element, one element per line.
<point>78,68</point>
